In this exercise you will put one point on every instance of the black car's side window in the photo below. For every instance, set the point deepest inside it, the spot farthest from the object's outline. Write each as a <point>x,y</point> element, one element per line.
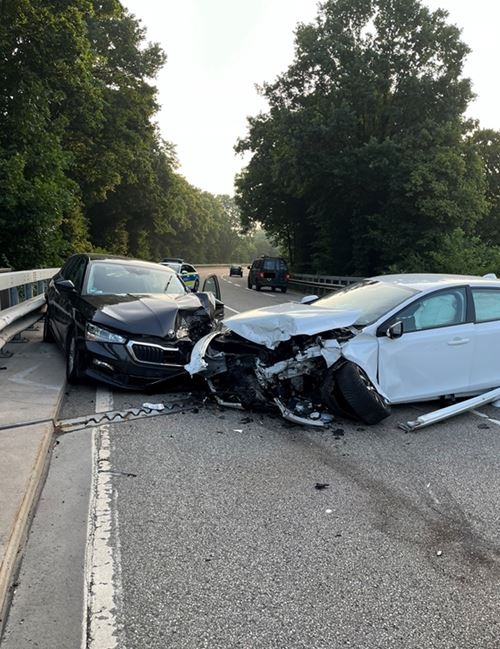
<point>67,269</point>
<point>486,304</point>
<point>441,309</point>
<point>76,271</point>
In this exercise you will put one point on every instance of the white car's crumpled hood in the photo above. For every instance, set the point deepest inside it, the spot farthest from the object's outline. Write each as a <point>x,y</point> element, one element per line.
<point>273,324</point>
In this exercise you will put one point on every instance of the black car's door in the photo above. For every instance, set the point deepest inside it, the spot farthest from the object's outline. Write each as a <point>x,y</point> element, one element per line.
<point>211,285</point>
<point>65,299</point>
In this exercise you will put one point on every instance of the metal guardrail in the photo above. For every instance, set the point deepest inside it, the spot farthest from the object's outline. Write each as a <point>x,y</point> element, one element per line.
<point>321,283</point>
<point>22,292</point>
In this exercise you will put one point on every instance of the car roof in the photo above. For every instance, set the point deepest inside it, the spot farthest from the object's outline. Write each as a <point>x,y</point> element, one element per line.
<point>427,281</point>
<point>116,259</point>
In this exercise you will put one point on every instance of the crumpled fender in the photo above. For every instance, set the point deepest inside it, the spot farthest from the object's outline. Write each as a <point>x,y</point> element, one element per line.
<point>363,351</point>
<point>197,363</point>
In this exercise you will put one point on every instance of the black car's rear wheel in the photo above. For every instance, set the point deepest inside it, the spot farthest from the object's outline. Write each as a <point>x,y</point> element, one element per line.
<point>283,289</point>
<point>48,336</point>
<point>73,360</point>
<point>249,284</point>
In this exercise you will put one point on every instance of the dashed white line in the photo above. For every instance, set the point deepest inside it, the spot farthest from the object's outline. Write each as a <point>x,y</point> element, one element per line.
<point>481,414</point>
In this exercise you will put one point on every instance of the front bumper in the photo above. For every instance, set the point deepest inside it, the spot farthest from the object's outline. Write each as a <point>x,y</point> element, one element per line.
<point>131,366</point>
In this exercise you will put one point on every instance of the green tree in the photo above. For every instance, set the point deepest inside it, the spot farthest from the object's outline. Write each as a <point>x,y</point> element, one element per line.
<point>362,161</point>
<point>487,144</point>
<point>45,83</point>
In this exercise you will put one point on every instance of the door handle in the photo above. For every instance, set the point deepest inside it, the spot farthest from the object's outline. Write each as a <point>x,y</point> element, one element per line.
<point>458,341</point>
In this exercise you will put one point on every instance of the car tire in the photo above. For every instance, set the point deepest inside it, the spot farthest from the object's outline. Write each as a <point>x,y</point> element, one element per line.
<point>196,286</point>
<point>48,336</point>
<point>360,394</point>
<point>283,289</point>
<point>273,288</point>
<point>258,287</point>
<point>249,284</point>
<point>333,398</point>
<point>73,361</point>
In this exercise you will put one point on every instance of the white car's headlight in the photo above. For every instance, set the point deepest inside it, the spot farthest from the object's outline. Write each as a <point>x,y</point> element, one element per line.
<point>92,332</point>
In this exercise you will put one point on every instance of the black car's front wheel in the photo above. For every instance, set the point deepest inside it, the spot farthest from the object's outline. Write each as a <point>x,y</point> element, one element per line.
<point>73,360</point>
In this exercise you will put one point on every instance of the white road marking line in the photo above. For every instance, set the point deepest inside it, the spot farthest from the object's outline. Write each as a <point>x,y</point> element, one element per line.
<point>102,590</point>
<point>481,414</point>
<point>230,309</point>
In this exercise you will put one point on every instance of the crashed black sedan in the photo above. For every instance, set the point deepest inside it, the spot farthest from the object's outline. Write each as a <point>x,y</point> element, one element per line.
<point>127,322</point>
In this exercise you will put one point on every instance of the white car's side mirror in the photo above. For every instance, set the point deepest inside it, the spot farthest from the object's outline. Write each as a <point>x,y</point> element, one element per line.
<point>395,330</point>
<point>308,299</point>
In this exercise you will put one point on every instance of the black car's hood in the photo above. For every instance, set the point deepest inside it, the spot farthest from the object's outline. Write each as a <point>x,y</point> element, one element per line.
<point>145,315</point>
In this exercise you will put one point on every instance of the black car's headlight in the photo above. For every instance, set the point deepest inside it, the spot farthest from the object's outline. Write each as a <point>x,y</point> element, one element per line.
<point>100,335</point>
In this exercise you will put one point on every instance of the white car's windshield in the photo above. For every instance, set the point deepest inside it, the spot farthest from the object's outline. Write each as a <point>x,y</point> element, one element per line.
<point>371,298</point>
<point>109,279</point>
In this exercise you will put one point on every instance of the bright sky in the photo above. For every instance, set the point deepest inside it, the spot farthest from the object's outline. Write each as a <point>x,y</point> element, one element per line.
<point>219,49</point>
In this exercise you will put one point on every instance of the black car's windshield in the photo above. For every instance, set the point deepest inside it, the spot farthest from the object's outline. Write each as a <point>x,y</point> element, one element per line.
<point>371,298</point>
<point>111,279</point>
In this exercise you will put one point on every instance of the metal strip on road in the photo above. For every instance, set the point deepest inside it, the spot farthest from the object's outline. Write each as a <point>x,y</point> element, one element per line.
<point>119,416</point>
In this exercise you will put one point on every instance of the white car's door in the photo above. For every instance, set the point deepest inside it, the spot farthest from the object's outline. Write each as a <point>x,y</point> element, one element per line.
<point>485,372</point>
<point>434,355</point>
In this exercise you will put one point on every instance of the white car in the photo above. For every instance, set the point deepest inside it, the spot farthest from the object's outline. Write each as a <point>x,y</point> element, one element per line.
<point>386,340</point>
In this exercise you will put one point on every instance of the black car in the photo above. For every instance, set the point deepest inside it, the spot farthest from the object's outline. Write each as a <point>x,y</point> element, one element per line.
<point>234,269</point>
<point>268,271</point>
<point>126,322</point>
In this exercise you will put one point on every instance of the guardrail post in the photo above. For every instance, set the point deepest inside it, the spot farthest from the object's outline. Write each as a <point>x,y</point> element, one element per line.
<point>13,296</point>
<point>28,291</point>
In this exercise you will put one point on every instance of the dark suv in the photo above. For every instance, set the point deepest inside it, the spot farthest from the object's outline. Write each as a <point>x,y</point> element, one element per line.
<point>268,271</point>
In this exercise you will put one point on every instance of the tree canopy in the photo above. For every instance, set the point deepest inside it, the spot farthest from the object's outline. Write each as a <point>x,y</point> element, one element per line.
<point>82,163</point>
<point>364,162</point>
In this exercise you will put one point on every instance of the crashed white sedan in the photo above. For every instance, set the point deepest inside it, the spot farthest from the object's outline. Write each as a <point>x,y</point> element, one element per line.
<point>386,340</point>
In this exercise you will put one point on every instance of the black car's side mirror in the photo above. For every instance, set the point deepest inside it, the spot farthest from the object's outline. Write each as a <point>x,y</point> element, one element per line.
<point>395,330</point>
<point>65,285</point>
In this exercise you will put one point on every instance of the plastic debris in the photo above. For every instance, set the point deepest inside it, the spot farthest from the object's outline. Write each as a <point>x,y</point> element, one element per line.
<point>439,553</point>
<point>321,485</point>
<point>153,406</point>
<point>315,415</point>
<point>326,417</point>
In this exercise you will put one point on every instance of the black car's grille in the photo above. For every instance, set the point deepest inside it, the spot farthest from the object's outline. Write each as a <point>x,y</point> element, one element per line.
<point>155,354</point>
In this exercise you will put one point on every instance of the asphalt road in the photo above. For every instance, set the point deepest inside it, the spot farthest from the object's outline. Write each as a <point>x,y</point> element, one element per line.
<point>207,530</point>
